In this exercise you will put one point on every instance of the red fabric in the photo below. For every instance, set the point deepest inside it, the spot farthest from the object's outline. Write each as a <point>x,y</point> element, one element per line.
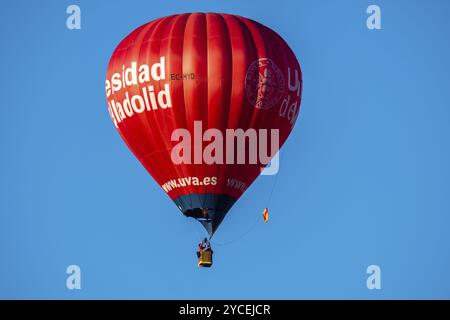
<point>220,50</point>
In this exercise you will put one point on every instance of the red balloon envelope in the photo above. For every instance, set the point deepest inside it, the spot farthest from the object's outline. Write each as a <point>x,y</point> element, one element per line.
<point>190,94</point>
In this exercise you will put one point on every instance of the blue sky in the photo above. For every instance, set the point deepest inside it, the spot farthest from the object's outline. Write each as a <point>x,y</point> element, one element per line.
<point>364,176</point>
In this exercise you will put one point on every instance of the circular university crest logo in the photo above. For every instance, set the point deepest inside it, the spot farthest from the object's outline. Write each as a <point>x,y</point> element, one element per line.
<point>264,83</point>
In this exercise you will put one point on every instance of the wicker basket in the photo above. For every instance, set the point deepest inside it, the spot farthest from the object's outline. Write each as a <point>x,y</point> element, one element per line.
<point>205,259</point>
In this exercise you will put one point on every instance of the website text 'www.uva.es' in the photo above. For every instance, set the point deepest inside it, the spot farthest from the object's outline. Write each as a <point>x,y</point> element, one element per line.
<point>206,181</point>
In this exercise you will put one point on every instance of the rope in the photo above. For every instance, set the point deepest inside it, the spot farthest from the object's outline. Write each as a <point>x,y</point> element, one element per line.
<point>254,224</point>
<point>273,189</point>
<point>238,238</point>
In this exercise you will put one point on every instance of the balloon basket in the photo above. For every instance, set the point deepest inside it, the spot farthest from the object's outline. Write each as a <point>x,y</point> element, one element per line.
<point>205,259</point>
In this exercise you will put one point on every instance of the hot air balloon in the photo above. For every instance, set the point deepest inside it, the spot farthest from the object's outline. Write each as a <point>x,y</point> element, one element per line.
<point>180,86</point>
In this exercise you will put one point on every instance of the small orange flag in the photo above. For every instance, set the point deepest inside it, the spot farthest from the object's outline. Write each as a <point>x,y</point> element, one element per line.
<point>266,215</point>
